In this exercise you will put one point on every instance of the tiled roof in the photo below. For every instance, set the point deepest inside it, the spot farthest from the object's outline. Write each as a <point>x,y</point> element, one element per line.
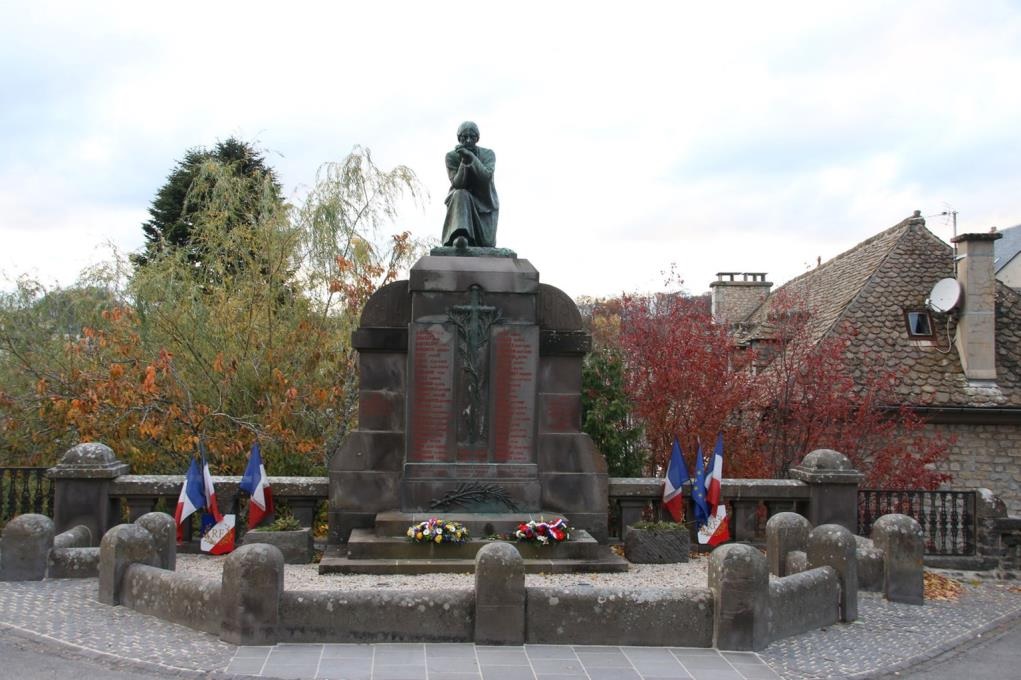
<point>1008,247</point>
<point>867,290</point>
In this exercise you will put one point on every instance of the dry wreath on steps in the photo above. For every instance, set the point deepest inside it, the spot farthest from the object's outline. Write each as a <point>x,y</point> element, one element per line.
<point>438,531</point>
<point>543,533</point>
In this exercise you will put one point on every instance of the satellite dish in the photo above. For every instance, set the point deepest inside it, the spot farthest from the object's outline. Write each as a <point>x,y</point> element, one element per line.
<point>945,296</point>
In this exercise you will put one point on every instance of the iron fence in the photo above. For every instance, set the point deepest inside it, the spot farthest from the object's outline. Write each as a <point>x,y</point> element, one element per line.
<point>24,489</point>
<point>947,517</point>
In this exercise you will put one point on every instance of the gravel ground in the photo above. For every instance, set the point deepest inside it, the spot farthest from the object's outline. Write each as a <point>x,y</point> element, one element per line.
<point>692,574</point>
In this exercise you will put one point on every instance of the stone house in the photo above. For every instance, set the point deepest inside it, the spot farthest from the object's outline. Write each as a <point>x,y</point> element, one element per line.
<point>962,369</point>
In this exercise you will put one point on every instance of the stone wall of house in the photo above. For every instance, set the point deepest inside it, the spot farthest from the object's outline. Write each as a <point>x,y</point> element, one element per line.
<point>986,456</point>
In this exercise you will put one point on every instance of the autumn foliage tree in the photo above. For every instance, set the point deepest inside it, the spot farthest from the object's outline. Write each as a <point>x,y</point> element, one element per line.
<point>682,378</point>
<point>257,347</point>
<point>774,402</point>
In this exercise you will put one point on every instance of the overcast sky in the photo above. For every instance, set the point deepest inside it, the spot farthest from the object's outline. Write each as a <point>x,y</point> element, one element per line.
<point>629,136</point>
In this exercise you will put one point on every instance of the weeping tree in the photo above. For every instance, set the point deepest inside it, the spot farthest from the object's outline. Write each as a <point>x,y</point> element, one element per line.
<point>258,346</point>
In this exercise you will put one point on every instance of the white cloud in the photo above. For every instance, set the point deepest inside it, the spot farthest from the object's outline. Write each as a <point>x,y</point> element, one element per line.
<point>743,136</point>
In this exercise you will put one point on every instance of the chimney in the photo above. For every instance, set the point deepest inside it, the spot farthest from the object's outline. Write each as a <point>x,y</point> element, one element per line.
<point>976,326</point>
<point>733,300</point>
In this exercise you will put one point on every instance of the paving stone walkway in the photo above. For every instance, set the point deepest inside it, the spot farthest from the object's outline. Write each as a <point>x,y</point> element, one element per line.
<point>888,637</point>
<point>433,661</point>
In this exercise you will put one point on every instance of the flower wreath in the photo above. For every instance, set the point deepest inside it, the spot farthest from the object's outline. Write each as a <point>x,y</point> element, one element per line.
<point>543,533</point>
<point>438,531</point>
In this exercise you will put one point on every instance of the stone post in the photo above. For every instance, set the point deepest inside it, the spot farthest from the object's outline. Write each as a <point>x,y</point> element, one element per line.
<point>785,533</point>
<point>164,534</point>
<point>24,548</point>
<point>739,580</point>
<point>834,546</point>
<point>903,544</point>
<point>832,488</point>
<point>989,510</point>
<point>499,595</point>
<point>81,483</point>
<point>121,547</point>
<point>253,581</point>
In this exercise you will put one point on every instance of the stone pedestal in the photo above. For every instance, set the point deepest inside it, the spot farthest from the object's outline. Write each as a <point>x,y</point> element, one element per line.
<point>81,483</point>
<point>470,401</point>
<point>833,488</point>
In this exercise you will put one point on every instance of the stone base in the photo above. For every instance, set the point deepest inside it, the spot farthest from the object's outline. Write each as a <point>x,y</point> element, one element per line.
<point>647,546</point>
<point>479,524</point>
<point>335,561</point>
<point>296,546</point>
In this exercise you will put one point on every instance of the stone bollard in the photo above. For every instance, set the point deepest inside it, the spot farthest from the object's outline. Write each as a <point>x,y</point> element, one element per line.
<point>24,548</point>
<point>253,582</point>
<point>785,532</point>
<point>903,544</point>
<point>499,595</point>
<point>870,565</point>
<point>76,537</point>
<point>122,546</point>
<point>739,579</point>
<point>834,546</point>
<point>164,533</point>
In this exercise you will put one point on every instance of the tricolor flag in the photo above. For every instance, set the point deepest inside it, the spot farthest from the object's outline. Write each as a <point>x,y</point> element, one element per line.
<point>217,529</point>
<point>676,475</point>
<point>256,483</point>
<point>219,539</point>
<point>717,529</point>
<point>210,492</point>
<point>192,497</point>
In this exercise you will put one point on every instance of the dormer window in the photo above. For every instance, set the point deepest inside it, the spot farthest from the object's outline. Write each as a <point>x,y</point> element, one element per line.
<point>919,324</point>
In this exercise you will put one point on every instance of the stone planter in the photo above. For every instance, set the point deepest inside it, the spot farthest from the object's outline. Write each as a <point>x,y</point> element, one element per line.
<point>295,545</point>
<point>657,546</point>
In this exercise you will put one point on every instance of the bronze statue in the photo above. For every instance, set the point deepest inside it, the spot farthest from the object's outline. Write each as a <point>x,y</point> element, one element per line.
<point>472,205</point>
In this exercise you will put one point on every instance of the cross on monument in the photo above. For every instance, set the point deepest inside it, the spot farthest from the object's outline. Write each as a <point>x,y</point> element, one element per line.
<point>473,322</point>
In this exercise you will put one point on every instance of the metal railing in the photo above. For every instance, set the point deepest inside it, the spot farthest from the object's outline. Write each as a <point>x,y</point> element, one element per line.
<point>24,489</point>
<point>948,518</point>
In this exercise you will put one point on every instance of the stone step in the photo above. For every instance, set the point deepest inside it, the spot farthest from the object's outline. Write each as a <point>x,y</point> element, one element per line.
<point>364,544</point>
<point>480,524</point>
<point>336,562</point>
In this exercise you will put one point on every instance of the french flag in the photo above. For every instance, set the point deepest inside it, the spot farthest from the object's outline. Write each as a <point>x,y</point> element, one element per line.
<point>210,493</point>
<point>256,483</point>
<point>192,497</point>
<point>676,475</point>
<point>717,529</point>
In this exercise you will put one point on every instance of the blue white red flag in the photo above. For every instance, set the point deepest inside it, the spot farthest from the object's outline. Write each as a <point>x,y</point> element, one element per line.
<point>219,539</point>
<point>717,529</point>
<point>210,493</point>
<point>192,497</point>
<point>676,475</point>
<point>256,482</point>
<point>698,489</point>
<point>217,530</point>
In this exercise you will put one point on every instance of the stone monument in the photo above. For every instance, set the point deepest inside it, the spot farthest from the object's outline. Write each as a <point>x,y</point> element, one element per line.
<point>469,403</point>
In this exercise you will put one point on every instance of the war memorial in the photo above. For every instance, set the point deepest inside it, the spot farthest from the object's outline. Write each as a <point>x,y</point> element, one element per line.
<point>470,410</point>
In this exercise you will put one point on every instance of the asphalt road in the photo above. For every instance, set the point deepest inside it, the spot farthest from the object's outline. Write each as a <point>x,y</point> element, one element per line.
<point>24,659</point>
<point>997,654</point>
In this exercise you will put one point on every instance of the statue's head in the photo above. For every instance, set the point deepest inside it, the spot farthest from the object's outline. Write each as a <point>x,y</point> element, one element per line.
<point>468,133</point>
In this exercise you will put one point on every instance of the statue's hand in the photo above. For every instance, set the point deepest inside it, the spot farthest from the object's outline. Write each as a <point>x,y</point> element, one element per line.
<point>466,155</point>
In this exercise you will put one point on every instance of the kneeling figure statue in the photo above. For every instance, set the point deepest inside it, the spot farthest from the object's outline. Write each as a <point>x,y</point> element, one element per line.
<point>472,205</point>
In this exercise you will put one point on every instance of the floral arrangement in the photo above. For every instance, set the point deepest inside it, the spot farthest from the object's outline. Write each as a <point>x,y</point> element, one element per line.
<point>543,533</point>
<point>438,531</point>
